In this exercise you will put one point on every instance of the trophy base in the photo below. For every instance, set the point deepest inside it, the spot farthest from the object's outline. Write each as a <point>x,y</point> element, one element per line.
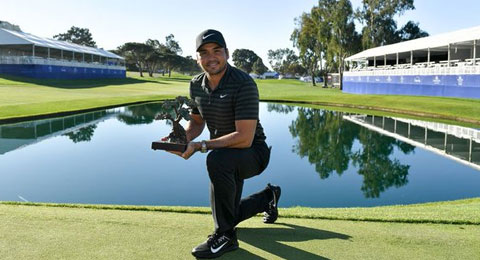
<point>167,146</point>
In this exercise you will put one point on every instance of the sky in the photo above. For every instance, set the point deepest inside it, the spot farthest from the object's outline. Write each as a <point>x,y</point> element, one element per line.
<point>258,25</point>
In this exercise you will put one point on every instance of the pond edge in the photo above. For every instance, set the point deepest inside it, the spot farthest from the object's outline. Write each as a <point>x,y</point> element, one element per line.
<point>414,213</point>
<point>423,115</point>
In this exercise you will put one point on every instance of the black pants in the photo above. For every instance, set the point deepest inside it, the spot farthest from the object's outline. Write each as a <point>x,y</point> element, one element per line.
<point>227,168</point>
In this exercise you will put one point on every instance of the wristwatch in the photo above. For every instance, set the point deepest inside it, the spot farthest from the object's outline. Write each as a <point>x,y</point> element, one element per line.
<point>204,147</point>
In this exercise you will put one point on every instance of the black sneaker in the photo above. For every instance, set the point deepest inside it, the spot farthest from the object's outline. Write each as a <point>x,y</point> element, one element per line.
<point>216,245</point>
<point>271,214</point>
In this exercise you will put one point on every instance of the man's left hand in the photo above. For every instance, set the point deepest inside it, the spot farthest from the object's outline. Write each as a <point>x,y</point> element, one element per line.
<point>192,147</point>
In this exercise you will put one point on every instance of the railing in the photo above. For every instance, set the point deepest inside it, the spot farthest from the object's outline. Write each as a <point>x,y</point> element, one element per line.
<point>462,151</point>
<point>28,60</point>
<point>458,131</point>
<point>460,70</point>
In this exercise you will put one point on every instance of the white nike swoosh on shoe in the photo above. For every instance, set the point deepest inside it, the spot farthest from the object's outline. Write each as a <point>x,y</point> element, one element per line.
<point>206,36</point>
<point>222,96</point>
<point>215,250</point>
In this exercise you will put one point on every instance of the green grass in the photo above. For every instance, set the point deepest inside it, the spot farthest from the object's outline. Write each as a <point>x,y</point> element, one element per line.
<point>20,97</point>
<point>465,211</point>
<point>71,231</point>
<point>103,232</point>
<point>27,97</point>
<point>451,109</point>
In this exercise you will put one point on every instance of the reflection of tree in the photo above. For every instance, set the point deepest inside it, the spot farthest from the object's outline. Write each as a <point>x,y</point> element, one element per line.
<point>378,170</point>
<point>140,114</point>
<point>83,134</point>
<point>327,140</point>
<point>285,109</point>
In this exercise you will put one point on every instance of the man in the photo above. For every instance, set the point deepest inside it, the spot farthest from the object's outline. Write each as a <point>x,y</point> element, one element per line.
<point>227,102</point>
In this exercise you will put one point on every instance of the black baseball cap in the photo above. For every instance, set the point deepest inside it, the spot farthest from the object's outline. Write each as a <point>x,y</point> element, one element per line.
<point>209,36</point>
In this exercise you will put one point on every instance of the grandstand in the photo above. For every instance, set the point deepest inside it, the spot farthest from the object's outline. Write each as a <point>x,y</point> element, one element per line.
<point>27,55</point>
<point>440,65</point>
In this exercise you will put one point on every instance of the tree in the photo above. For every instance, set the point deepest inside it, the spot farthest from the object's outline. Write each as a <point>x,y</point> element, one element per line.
<point>284,61</point>
<point>377,17</point>
<point>9,26</point>
<point>244,59</point>
<point>136,53</point>
<point>258,67</point>
<point>171,54</point>
<point>188,65</point>
<point>305,38</point>
<point>312,37</point>
<point>275,58</point>
<point>81,36</point>
<point>411,31</point>
<point>345,40</point>
<point>173,45</point>
<point>172,61</point>
<point>154,58</point>
<point>153,54</point>
<point>295,68</point>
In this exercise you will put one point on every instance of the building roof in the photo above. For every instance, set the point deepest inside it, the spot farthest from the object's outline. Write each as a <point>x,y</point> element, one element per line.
<point>9,37</point>
<point>460,37</point>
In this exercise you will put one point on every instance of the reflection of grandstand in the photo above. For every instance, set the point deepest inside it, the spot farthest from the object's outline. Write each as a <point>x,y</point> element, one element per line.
<point>15,136</point>
<point>455,142</point>
<point>23,54</point>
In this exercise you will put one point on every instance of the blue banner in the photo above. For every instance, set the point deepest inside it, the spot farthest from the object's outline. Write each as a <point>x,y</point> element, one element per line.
<point>465,86</point>
<point>59,72</point>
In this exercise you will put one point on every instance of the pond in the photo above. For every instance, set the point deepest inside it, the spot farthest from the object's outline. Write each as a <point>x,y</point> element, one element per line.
<point>320,158</point>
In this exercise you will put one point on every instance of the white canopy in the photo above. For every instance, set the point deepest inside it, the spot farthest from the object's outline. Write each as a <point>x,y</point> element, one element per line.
<point>8,37</point>
<point>461,37</point>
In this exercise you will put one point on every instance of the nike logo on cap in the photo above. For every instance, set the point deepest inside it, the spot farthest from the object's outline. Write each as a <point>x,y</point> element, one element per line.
<point>206,36</point>
<point>215,250</point>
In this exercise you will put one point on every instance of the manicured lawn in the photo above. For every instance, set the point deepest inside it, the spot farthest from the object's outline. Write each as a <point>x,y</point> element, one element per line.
<point>465,211</point>
<point>45,232</point>
<point>454,109</point>
<point>53,231</point>
<point>36,97</point>
<point>21,97</point>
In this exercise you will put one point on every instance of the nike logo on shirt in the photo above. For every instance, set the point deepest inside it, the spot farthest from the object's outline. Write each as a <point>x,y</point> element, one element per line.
<point>222,96</point>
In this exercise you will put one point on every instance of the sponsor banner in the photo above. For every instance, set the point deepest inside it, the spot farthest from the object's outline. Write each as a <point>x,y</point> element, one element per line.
<point>59,72</point>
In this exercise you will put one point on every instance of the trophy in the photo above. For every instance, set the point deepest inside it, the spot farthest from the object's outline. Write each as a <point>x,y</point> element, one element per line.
<point>174,111</point>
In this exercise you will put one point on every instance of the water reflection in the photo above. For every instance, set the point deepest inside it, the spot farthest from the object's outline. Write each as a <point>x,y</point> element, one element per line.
<point>140,114</point>
<point>371,154</point>
<point>327,140</point>
<point>374,164</point>
<point>78,128</point>
<point>279,108</point>
<point>83,134</point>
<point>454,142</point>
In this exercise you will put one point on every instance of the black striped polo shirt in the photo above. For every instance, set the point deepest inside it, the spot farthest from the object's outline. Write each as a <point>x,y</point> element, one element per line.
<point>235,98</point>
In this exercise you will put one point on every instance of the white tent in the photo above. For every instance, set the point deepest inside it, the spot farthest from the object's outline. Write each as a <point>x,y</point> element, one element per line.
<point>466,38</point>
<point>8,37</point>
